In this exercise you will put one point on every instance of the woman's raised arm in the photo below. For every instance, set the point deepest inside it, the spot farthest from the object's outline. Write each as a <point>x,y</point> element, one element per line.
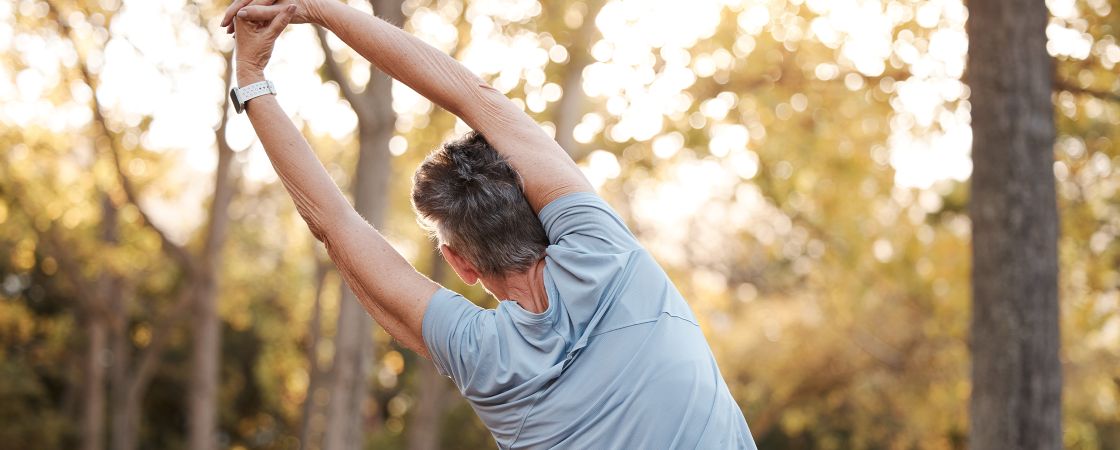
<point>388,287</point>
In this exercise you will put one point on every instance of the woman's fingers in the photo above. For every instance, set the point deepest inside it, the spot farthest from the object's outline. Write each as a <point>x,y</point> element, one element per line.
<point>282,20</point>
<point>265,13</point>
<point>237,6</point>
<point>227,19</point>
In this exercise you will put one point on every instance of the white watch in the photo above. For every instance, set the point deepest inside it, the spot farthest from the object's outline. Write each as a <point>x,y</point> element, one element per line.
<point>241,96</point>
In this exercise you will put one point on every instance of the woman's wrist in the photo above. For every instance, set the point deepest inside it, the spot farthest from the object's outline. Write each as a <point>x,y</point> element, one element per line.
<point>248,75</point>
<point>316,11</point>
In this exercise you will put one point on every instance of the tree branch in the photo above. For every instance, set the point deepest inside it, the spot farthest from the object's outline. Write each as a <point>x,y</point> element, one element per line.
<point>149,357</point>
<point>1065,85</point>
<point>225,184</point>
<point>334,72</point>
<point>173,250</point>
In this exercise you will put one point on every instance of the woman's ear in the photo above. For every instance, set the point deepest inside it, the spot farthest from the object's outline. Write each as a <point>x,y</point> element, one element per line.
<point>466,271</point>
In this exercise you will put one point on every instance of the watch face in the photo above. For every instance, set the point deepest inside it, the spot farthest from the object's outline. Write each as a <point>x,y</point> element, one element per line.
<point>236,103</point>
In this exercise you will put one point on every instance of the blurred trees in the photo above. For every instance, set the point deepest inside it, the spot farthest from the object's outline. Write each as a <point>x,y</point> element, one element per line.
<point>105,294</point>
<point>795,165</point>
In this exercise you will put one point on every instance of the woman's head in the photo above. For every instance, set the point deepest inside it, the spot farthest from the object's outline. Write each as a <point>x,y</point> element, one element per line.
<point>470,198</point>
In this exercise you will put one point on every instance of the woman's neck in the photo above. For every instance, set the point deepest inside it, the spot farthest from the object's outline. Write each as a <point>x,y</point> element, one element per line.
<point>526,288</point>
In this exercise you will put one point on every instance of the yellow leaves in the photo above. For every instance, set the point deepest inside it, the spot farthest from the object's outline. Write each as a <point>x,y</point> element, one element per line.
<point>806,179</point>
<point>794,421</point>
<point>22,257</point>
<point>142,335</point>
<point>240,320</point>
<point>72,218</point>
<point>393,361</point>
<point>296,382</point>
<point>16,322</point>
<point>398,406</point>
<point>129,214</point>
<point>49,266</point>
<point>254,425</point>
<point>392,365</point>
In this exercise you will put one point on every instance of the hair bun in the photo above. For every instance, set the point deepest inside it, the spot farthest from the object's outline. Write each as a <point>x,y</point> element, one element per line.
<point>465,168</point>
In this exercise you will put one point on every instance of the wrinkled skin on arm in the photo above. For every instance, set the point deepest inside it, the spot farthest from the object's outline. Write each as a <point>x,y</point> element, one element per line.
<point>388,287</point>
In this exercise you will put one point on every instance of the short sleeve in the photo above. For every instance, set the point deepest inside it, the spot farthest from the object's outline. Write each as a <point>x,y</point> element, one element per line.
<point>584,223</point>
<point>450,330</point>
<point>487,351</point>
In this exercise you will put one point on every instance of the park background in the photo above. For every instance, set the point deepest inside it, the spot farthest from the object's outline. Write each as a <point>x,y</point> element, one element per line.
<point>800,168</point>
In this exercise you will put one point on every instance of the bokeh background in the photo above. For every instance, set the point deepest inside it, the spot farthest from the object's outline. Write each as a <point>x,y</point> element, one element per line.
<point>800,168</point>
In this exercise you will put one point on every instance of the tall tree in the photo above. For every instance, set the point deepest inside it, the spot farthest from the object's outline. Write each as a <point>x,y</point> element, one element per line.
<point>568,111</point>
<point>354,352</point>
<point>206,350</point>
<point>107,287</point>
<point>1016,374</point>
<point>310,407</point>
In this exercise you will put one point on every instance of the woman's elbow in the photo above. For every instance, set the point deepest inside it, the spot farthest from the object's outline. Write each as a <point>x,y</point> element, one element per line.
<point>326,226</point>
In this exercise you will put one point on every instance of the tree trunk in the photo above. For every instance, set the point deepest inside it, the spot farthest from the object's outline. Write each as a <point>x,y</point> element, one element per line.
<point>129,386</point>
<point>1016,373</point>
<point>93,407</point>
<point>202,399</point>
<point>108,288</point>
<point>314,373</point>
<point>206,351</point>
<point>424,431</point>
<point>124,418</point>
<point>354,352</point>
<point>126,413</point>
<point>569,110</point>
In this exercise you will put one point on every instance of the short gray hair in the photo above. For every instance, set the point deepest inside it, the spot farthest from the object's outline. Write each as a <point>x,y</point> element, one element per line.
<point>469,197</point>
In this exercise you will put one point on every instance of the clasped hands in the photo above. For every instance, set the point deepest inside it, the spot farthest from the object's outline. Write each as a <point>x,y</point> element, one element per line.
<point>256,24</point>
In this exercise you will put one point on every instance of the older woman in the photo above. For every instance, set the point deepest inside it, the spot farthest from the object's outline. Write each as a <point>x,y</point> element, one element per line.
<point>591,345</point>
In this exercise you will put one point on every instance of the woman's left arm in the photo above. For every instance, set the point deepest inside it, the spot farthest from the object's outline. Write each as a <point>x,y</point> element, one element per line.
<point>385,283</point>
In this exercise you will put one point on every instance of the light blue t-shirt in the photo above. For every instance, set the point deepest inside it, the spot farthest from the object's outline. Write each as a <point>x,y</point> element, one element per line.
<point>616,361</point>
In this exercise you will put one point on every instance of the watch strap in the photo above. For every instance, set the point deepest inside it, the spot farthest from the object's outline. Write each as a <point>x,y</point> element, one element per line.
<point>244,94</point>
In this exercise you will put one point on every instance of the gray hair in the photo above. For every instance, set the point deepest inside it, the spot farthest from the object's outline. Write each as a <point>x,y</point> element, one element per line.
<point>469,197</point>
